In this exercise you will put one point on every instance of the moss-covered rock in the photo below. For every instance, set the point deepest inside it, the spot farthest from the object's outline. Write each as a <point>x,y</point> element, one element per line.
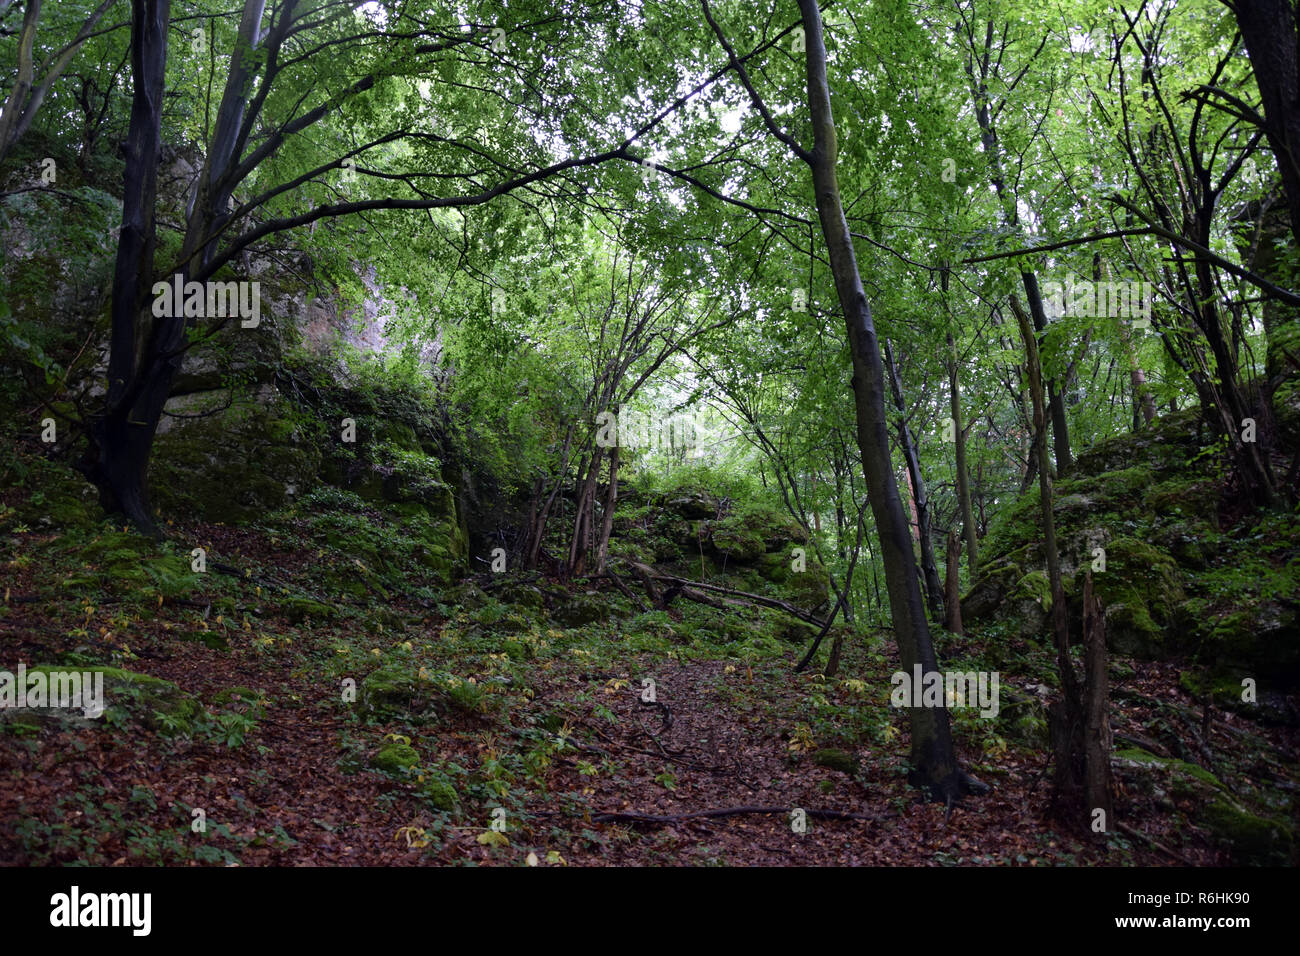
<point>735,540</point>
<point>810,588</point>
<point>393,691</point>
<point>132,567</point>
<point>692,503</point>
<point>1141,591</point>
<point>834,759</point>
<point>156,703</point>
<point>1022,716</point>
<point>1161,777</point>
<point>212,640</point>
<point>298,609</point>
<point>1251,839</point>
<point>991,589</point>
<point>1141,512</point>
<point>752,531</point>
<point>441,794</point>
<point>578,610</point>
<point>238,696</point>
<point>235,464</point>
<point>395,757</point>
<point>520,594</point>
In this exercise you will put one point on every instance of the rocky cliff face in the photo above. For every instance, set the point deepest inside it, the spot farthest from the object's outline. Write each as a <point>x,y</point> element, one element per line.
<point>257,417</point>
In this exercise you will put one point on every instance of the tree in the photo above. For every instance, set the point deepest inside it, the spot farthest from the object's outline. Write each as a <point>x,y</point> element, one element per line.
<point>1271,30</point>
<point>300,55</point>
<point>33,81</point>
<point>933,758</point>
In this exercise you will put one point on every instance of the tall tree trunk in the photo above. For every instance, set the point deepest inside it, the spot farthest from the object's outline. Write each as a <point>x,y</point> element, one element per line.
<point>120,438</point>
<point>1098,788</point>
<point>1271,31</point>
<point>586,503</point>
<point>1056,403</point>
<point>963,476</point>
<point>920,499</point>
<point>934,763</point>
<point>1280,355</point>
<point>1065,714</point>
<point>1233,407</point>
<point>533,551</point>
<point>607,514</point>
<point>216,182</point>
<point>1145,401</point>
<point>984,117</point>
<point>952,584</point>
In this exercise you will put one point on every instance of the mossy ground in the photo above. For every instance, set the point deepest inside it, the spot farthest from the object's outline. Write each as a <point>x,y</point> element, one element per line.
<point>344,657</point>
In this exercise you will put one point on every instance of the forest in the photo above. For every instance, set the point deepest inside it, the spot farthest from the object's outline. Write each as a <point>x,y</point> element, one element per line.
<point>778,433</point>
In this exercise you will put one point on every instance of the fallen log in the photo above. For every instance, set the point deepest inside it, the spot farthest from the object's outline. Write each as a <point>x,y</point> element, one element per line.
<point>686,585</point>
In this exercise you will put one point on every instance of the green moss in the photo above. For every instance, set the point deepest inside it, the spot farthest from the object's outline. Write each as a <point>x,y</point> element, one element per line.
<point>734,540</point>
<point>1036,585</point>
<point>441,795</point>
<point>156,703</point>
<point>297,609</point>
<point>1253,840</point>
<point>1185,780</point>
<point>692,503</point>
<point>1183,495</point>
<point>581,609</point>
<point>1123,488</point>
<point>518,650</point>
<point>131,567</point>
<point>1022,716</point>
<point>390,691</point>
<point>523,595</point>
<point>1012,528</point>
<point>1224,688</point>
<point>395,757</point>
<point>1141,591</point>
<point>213,640</point>
<point>236,695</point>
<point>834,759</point>
<point>236,465</point>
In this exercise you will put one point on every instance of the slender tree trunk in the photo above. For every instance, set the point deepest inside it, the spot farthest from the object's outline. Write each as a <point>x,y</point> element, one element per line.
<point>963,476</point>
<point>533,551</point>
<point>1066,715</point>
<point>920,500</point>
<point>607,516</point>
<point>1233,407</point>
<point>812,502</point>
<point>1031,466</point>
<point>933,759</point>
<point>1060,430</point>
<point>952,584</point>
<point>1010,219</point>
<point>1098,787</point>
<point>1144,403</point>
<point>582,519</point>
<point>23,79</point>
<point>216,182</point>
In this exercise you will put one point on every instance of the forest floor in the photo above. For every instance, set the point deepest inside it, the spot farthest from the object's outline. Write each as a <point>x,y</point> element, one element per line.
<point>482,739</point>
